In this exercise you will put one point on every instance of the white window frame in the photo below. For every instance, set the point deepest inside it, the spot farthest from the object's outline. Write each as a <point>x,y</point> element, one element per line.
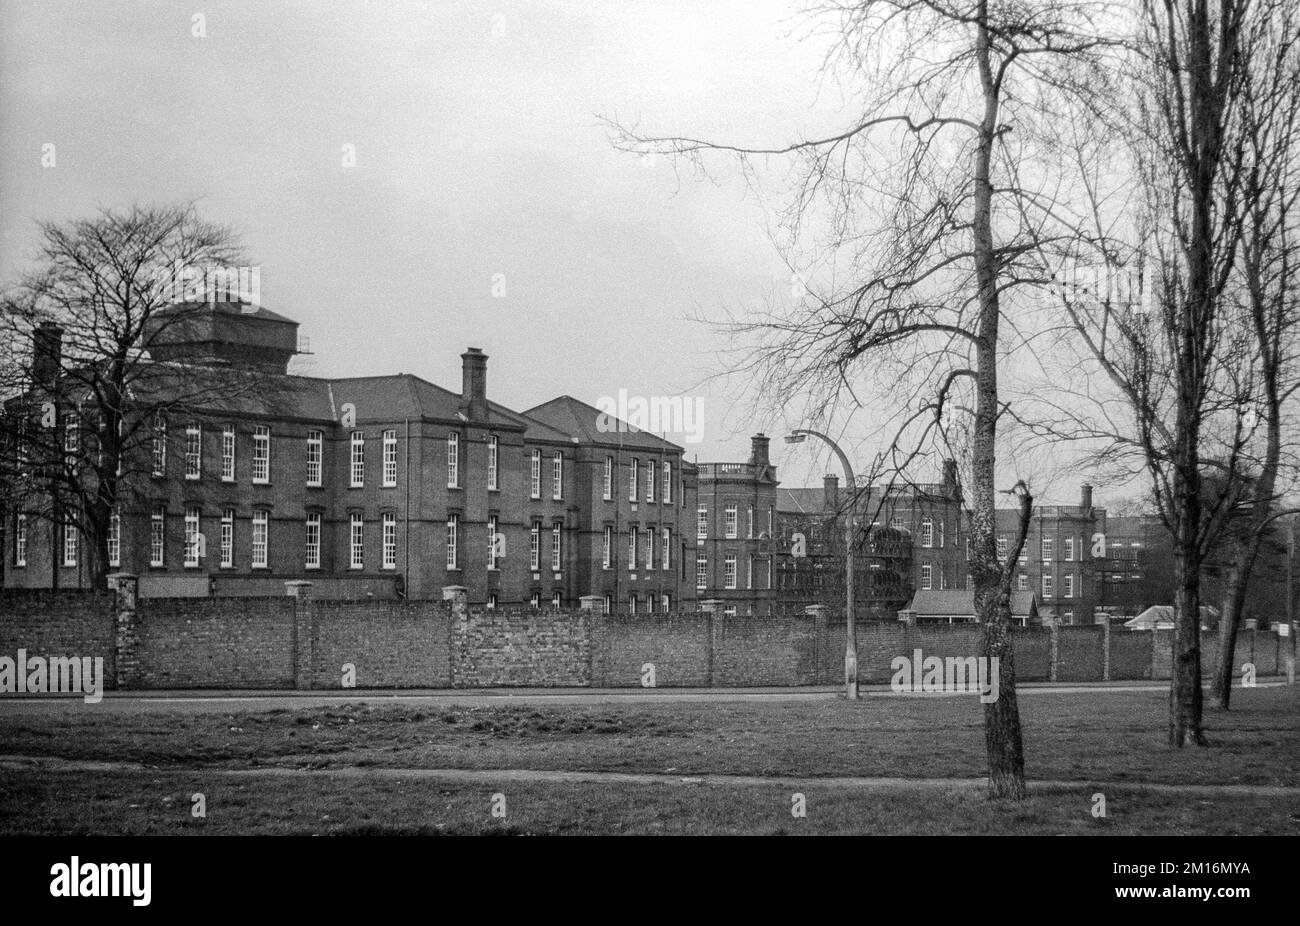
<point>20,538</point>
<point>535,473</point>
<point>193,525</point>
<point>927,533</point>
<point>356,541</point>
<point>607,492</point>
<point>729,571</point>
<point>701,572</point>
<point>492,523</point>
<point>228,538</point>
<point>701,524</point>
<point>312,540</point>
<point>228,453</point>
<point>193,451</point>
<point>388,540</point>
<point>115,539</point>
<point>70,544</point>
<point>649,480</point>
<point>557,476</point>
<point>730,522</point>
<point>158,537</point>
<point>1047,546</point>
<point>453,460</point>
<point>159,444</point>
<point>666,554</point>
<point>633,478</point>
<point>261,455</point>
<point>557,543</point>
<point>631,549</point>
<point>1067,585</point>
<point>259,551</point>
<point>389,476</point>
<point>493,449</point>
<point>1047,585</point>
<point>927,576</point>
<point>315,457</point>
<point>1068,551</point>
<point>453,539</point>
<point>535,546</point>
<point>668,483</point>
<point>649,548</point>
<point>357,461</point>
<point>607,548</point>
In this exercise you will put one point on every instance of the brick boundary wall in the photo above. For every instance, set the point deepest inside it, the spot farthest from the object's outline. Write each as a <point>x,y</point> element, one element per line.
<point>295,641</point>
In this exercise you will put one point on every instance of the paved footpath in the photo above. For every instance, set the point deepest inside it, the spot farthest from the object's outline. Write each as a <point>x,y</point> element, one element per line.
<point>215,702</point>
<point>497,777</point>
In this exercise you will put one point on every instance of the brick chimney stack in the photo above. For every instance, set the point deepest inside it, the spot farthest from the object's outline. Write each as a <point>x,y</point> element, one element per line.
<point>47,353</point>
<point>473,390</point>
<point>1085,497</point>
<point>950,472</point>
<point>758,445</point>
<point>831,492</point>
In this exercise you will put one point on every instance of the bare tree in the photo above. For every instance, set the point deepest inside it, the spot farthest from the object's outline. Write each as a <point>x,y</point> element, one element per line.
<point>1268,159</point>
<point>1169,315</point>
<point>86,398</point>
<point>928,220</point>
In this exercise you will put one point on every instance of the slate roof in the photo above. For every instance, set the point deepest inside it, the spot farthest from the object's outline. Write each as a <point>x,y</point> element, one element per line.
<point>580,420</point>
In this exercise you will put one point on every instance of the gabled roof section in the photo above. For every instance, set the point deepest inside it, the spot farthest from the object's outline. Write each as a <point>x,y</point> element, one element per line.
<point>408,396</point>
<point>583,421</point>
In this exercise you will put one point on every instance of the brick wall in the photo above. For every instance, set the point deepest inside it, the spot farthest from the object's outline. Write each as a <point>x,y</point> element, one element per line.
<point>509,647</point>
<point>66,623</point>
<point>215,643</point>
<point>1033,651</point>
<point>1079,654</point>
<point>1130,653</point>
<point>285,641</point>
<point>389,644</point>
<point>763,652</point>
<point>678,646</point>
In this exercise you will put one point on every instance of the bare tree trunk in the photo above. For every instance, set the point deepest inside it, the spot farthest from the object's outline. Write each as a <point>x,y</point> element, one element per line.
<point>1185,699</point>
<point>1002,734</point>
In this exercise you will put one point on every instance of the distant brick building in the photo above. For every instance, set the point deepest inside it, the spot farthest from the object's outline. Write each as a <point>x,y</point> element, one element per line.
<point>734,527</point>
<point>388,478</point>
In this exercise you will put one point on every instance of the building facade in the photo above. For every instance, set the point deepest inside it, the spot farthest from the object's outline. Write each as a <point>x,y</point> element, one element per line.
<point>736,519</point>
<point>390,478</point>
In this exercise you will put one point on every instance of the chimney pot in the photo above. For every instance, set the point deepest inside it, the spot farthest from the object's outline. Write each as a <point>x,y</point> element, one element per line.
<point>47,353</point>
<point>473,390</point>
<point>831,491</point>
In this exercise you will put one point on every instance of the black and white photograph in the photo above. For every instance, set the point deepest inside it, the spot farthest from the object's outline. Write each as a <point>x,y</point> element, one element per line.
<point>689,418</point>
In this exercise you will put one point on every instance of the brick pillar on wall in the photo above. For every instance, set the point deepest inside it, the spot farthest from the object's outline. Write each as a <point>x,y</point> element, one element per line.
<point>458,629</point>
<point>1105,649</point>
<point>126,590</point>
<point>1053,650</point>
<point>304,633</point>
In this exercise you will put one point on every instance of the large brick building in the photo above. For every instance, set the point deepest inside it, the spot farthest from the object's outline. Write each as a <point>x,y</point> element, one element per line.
<point>382,483</point>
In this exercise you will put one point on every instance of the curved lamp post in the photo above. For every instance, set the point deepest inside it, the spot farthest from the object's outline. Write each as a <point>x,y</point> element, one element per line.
<point>797,436</point>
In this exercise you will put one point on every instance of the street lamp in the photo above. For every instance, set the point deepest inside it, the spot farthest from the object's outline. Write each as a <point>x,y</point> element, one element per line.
<point>797,436</point>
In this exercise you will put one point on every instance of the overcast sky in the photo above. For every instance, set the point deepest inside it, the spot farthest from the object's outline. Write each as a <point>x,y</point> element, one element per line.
<point>477,153</point>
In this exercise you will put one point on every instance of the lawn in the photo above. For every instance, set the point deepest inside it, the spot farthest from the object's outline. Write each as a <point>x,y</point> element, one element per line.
<point>1099,739</point>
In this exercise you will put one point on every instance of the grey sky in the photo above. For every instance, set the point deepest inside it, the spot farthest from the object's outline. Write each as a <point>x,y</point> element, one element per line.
<point>477,153</point>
